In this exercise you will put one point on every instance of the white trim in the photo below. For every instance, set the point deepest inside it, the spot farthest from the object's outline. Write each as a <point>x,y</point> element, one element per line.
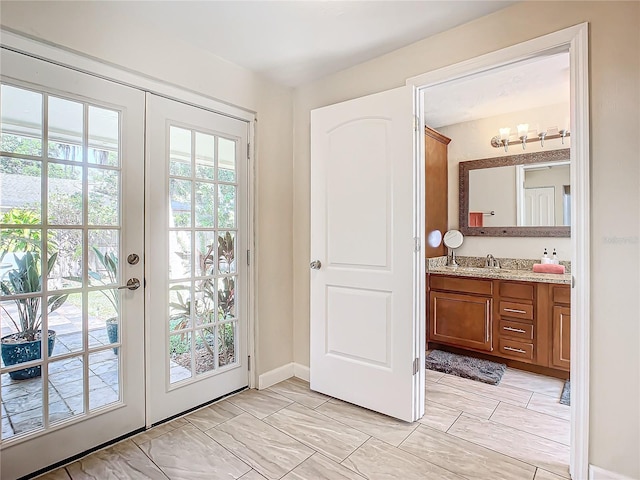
<point>597,473</point>
<point>302,372</point>
<point>253,264</point>
<point>276,375</point>
<point>575,40</point>
<point>115,73</point>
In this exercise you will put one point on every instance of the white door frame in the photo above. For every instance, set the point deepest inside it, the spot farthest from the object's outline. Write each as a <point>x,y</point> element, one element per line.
<point>574,40</point>
<point>83,63</point>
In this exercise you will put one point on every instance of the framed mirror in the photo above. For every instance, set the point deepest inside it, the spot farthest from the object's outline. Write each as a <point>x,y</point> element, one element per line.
<point>524,195</point>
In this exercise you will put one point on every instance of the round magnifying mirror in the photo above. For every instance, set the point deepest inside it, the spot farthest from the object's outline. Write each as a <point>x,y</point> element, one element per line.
<point>453,239</point>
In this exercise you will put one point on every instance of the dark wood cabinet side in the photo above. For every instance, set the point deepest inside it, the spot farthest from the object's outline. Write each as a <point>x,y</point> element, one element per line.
<point>436,189</point>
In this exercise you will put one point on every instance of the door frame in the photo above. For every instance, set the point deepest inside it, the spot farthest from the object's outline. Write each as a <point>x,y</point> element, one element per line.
<point>575,40</point>
<point>138,80</point>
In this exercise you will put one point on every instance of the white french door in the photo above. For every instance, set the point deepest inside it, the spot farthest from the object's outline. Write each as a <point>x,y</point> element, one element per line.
<point>196,256</point>
<point>71,221</point>
<point>366,277</point>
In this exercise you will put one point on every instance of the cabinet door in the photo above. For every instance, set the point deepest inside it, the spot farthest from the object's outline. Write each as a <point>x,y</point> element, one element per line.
<point>460,320</point>
<point>561,337</point>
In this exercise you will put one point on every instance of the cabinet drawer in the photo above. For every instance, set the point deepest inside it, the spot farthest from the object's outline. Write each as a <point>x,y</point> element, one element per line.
<point>463,285</point>
<point>561,294</point>
<point>516,310</point>
<point>515,349</point>
<point>519,330</point>
<point>516,290</point>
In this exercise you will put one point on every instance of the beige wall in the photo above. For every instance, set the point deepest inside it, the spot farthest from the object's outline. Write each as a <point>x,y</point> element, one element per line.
<point>471,141</point>
<point>615,213</point>
<point>91,29</point>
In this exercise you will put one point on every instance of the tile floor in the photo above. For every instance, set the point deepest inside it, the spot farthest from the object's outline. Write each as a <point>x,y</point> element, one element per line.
<point>513,431</point>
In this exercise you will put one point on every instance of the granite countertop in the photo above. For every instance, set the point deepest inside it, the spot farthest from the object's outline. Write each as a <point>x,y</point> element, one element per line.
<point>472,267</point>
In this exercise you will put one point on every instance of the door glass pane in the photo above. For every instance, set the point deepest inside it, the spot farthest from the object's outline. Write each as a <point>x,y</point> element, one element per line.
<point>205,350</point>
<point>205,305</point>
<point>21,405</point>
<point>103,257</point>
<point>104,368</point>
<point>20,121</point>
<point>103,189</point>
<point>65,129</point>
<point>65,318</point>
<point>180,203</point>
<point>205,204</point>
<point>65,257</point>
<point>205,159</point>
<point>179,306</point>
<point>64,194</point>
<point>226,252</point>
<point>66,388</point>
<point>179,357</point>
<point>20,190</point>
<point>180,152</point>
<point>226,298</point>
<point>179,254</point>
<point>226,206</point>
<point>103,317</point>
<point>103,136</point>
<point>206,250</point>
<point>227,343</point>
<point>226,160</point>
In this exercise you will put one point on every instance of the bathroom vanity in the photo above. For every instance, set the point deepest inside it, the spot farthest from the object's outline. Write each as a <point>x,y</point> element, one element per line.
<point>520,317</point>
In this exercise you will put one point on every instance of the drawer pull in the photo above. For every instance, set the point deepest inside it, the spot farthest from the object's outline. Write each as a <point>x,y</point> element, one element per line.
<point>513,310</point>
<point>511,329</point>
<point>511,349</point>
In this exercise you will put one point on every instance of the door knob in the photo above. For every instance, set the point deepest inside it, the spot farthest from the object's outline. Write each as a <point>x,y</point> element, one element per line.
<point>133,259</point>
<point>132,284</point>
<point>315,265</point>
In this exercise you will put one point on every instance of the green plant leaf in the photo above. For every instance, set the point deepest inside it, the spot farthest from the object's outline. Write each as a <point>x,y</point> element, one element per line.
<point>56,301</point>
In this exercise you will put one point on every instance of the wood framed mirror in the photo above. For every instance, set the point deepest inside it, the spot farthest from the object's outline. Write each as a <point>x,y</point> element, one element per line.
<point>523,195</point>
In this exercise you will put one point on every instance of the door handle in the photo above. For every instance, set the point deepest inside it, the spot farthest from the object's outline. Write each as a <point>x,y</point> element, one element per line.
<point>315,265</point>
<point>132,284</point>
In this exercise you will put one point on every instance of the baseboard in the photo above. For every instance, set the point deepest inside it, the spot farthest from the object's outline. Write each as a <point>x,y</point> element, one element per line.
<point>301,371</point>
<point>597,473</point>
<point>276,375</point>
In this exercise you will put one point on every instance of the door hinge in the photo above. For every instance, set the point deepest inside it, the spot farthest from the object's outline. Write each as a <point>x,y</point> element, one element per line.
<point>416,123</point>
<point>417,244</point>
<point>248,257</point>
<point>573,281</point>
<point>416,366</point>
<point>249,363</point>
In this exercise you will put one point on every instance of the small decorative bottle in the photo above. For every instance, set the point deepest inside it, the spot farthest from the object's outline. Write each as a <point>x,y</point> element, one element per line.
<point>545,257</point>
<point>554,258</point>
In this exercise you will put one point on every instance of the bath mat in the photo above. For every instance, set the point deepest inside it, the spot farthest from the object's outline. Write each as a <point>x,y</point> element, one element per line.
<point>466,367</point>
<point>565,398</point>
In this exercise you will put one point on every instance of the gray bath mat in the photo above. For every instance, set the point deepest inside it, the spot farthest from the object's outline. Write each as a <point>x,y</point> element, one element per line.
<point>565,398</point>
<point>466,367</point>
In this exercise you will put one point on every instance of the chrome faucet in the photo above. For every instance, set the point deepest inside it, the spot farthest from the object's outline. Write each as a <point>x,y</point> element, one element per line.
<point>492,262</point>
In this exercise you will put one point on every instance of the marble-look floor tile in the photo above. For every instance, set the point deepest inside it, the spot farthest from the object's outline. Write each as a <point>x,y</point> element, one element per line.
<point>544,475</point>
<point>324,434</point>
<point>121,461</point>
<point>387,429</point>
<point>266,449</point>
<point>502,393</point>
<point>299,391</point>
<point>186,453</point>
<point>530,421</point>
<point>379,460</point>
<point>213,415</point>
<point>538,451</point>
<point>252,475</point>
<point>259,403</point>
<point>549,405</point>
<point>465,458</point>
<point>58,474</point>
<point>462,400</point>
<point>439,416</point>
<point>159,430</point>
<point>533,382</point>
<point>432,375</point>
<point>319,467</point>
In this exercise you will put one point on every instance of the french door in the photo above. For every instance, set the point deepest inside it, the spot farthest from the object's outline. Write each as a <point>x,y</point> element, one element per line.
<point>196,256</point>
<point>71,228</point>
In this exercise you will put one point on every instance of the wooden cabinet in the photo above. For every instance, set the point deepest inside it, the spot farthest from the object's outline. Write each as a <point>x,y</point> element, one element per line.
<point>436,189</point>
<point>463,318</point>
<point>526,322</point>
<point>561,328</point>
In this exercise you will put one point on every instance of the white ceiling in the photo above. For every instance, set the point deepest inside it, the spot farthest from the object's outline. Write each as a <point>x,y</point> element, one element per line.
<point>294,42</point>
<point>529,84</point>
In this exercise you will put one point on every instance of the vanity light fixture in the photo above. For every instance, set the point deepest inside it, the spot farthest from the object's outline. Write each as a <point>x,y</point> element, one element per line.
<point>551,133</point>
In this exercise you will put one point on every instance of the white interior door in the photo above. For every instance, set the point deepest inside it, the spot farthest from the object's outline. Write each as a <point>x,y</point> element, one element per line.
<point>539,206</point>
<point>365,224</point>
<point>71,212</point>
<point>196,250</point>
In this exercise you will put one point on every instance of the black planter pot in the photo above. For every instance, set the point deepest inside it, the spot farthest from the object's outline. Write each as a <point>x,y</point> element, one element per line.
<point>16,353</point>
<point>112,332</point>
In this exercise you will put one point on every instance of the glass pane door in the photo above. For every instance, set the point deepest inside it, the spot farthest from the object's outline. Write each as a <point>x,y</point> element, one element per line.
<point>198,294</point>
<point>67,171</point>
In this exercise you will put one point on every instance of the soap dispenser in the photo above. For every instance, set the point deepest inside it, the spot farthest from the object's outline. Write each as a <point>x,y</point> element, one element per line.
<point>545,257</point>
<point>554,258</point>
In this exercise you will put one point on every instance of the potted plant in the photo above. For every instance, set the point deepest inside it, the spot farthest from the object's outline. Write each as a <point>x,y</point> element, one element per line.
<point>25,345</point>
